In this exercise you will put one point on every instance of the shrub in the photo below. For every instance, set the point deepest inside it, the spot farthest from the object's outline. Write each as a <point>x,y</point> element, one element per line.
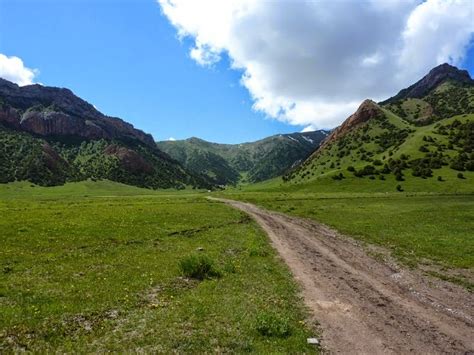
<point>385,169</point>
<point>461,176</point>
<point>198,267</point>
<point>350,168</point>
<point>440,178</point>
<point>399,188</point>
<point>457,165</point>
<point>273,325</point>
<point>366,170</point>
<point>421,168</point>
<point>339,176</point>
<point>469,165</point>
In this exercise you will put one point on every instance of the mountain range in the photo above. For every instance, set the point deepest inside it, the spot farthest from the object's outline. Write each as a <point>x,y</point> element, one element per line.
<point>50,136</point>
<point>227,164</point>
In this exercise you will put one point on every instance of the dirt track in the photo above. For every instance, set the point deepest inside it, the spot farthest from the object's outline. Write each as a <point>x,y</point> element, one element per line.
<point>364,305</point>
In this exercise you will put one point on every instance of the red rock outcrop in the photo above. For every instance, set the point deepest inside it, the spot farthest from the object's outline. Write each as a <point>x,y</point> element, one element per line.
<point>366,111</point>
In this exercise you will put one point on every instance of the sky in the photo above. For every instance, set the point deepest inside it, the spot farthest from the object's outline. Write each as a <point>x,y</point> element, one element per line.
<point>231,71</point>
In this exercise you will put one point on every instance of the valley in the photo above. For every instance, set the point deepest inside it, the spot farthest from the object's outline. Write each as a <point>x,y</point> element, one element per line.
<point>127,244</point>
<point>229,164</point>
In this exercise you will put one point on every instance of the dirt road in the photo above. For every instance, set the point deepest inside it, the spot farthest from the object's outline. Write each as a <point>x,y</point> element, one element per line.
<point>364,305</point>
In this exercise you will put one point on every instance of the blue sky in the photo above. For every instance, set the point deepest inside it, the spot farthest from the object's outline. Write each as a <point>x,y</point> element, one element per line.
<point>125,58</point>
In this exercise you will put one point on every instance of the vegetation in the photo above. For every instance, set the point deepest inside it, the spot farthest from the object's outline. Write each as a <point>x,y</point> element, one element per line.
<point>228,164</point>
<point>198,267</point>
<point>415,134</point>
<point>54,162</point>
<point>98,266</point>
<point>412,152</point>
<point>273,325</point>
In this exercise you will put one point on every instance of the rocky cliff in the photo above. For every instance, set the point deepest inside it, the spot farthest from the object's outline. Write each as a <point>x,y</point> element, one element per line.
<point>49,111</point>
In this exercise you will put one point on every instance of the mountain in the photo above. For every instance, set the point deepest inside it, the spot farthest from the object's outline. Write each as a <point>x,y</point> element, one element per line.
<point>437,76</point>
<point>49,136</point>
<point>426,131</point>
<point>444,92</point>
<point>247,162</point>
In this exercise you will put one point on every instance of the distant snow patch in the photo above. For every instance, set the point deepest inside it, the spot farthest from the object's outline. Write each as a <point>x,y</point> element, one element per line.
<point>307,139</point>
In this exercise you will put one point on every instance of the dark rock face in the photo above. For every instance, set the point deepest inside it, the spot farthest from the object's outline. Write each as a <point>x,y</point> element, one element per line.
<point>49,111</point>
<point>435,77</point>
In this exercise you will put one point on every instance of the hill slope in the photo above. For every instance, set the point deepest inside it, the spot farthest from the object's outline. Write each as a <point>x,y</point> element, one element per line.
<point>248,162</point>
<point>424,132</point>
<point>49,136</point>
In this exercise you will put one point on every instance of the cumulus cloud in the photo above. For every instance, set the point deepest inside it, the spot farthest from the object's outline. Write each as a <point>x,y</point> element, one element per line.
<point>437,31</point>
<point>312,62</point>
<point>172,139</point>
<point>13,69</point>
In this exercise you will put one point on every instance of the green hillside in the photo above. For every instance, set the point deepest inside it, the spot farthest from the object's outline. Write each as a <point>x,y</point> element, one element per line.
<point>50,162</point>
<point>405,141</point>
<point>248,162</point>
<point>49,136</point>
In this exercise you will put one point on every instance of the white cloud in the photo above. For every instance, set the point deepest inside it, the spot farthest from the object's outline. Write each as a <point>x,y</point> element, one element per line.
<point>13,69</point>
<point>171,139</point>
<point>437,31</point>
<point>312,62</point>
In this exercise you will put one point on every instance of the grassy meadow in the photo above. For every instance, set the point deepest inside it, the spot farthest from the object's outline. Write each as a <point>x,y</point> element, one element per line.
<point>93,267</point>
<point>101,266</point>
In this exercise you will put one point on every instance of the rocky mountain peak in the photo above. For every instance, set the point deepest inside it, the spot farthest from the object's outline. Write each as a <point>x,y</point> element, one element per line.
<point>367,110</point>
<point>436,76</point>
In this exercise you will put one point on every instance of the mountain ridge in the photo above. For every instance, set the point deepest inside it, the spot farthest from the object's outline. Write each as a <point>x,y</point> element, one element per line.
<point>403,136</point>
<point>430,81</point>
<point>50,136</point>
<point>249,161</point>
<point>48,111</point>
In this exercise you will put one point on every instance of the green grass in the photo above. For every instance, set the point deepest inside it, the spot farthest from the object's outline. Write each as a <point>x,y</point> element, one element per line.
<point>451,184</point>
<point>94,267</point>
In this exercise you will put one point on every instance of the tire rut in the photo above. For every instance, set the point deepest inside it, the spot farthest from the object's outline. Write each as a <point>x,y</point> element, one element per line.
<point>362,304</point>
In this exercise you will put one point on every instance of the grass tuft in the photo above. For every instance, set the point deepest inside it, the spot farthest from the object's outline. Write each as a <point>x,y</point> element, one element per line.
<point>198,267</point>
<point>273,325</point>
